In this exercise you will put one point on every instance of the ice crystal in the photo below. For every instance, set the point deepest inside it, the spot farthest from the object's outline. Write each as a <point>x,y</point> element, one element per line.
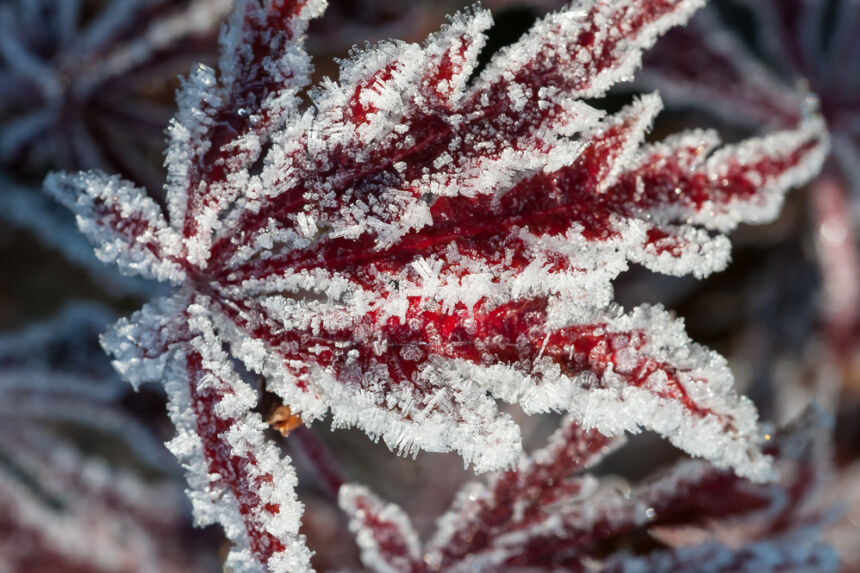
<point>75,78</point>
<point>421,242</point>
<point>543,515</point>
<point>62,509</point>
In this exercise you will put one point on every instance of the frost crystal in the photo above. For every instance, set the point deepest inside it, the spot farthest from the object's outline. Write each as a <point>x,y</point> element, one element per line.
<point>420,243</point>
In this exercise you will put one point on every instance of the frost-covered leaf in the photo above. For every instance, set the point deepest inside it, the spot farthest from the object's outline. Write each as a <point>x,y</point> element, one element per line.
<point>236,477</point>
<point>799,39</point>
<point>480,515</point>
<point>383,532</point>
<point>417,245</point>
<point>542,516</point>
<point>123,221</point>
<point>806,57</point>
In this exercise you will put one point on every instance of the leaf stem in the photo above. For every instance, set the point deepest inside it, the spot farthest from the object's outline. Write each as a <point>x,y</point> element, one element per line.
<point>317,454</point>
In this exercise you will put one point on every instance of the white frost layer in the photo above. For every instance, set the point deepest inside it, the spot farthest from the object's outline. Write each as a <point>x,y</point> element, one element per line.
<point>766,203</point>
<point>124,224</point>
<point>553,36</point>
<point>441,418</point>
<point>213,502</point>
<point>727,437</point>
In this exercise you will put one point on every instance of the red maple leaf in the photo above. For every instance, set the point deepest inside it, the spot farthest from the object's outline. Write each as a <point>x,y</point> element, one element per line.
<point>546,515</point>
<point>420,243</point>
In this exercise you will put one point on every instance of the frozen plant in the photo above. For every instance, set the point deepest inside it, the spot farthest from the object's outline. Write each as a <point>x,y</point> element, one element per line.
<point>805,50</point>
<point>61,508</point>
<point>420,243</point>
<point>544,515</point>
<point>76,78</point>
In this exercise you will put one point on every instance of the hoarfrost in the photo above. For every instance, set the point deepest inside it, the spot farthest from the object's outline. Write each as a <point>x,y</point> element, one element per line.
<point>416,247</point>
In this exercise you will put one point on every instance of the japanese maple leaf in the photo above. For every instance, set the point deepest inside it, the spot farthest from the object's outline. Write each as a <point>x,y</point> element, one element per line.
<point>545,514</point>
<point>418,244</point>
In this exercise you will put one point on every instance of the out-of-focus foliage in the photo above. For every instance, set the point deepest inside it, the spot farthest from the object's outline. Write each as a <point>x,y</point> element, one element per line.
<point>83,86</point>
<point>72,498</point>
